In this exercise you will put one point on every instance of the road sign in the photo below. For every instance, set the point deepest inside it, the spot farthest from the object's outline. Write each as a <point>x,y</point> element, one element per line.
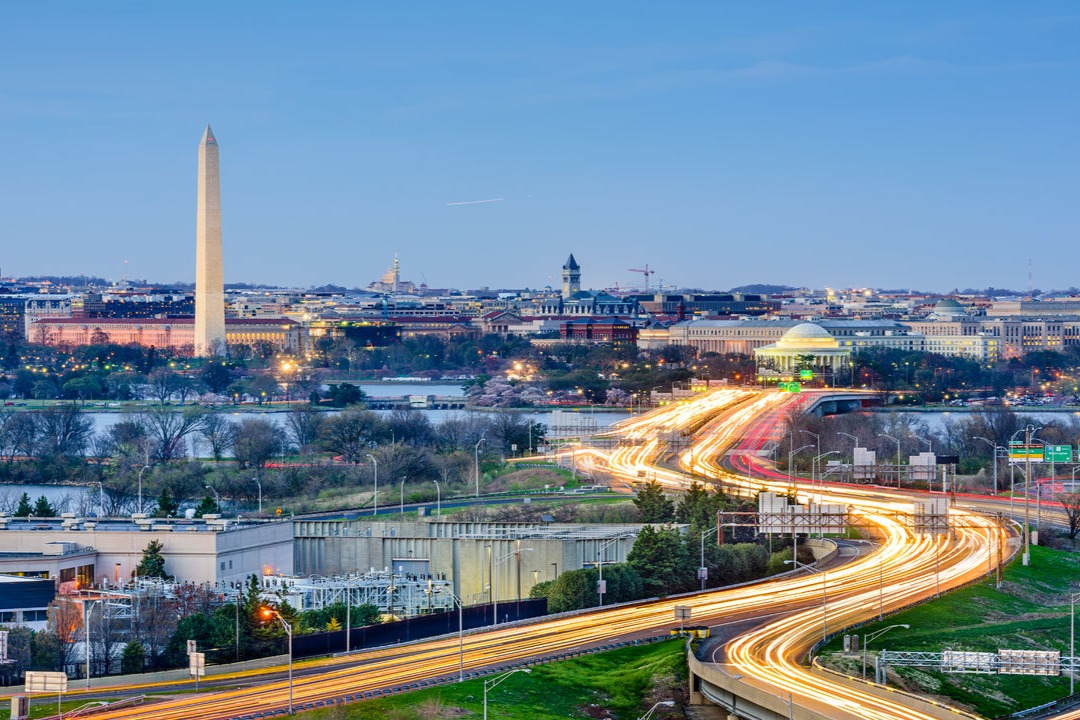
<point>1020,451</point>
<point>948,459</point>
<point>3,646</point>
<point>806,374</point>
<point>191,647</point>
<point>792,387</point>
<point>1057,454</point>
<point>196,664</point>
<point>46,682</point>
<point>683,612</point>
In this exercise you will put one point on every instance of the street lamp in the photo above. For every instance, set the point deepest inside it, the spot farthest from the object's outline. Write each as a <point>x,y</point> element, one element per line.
<point>259,484</point>
<point>286,368</point>
<point>86,636</point>
<point>460,629</point>
<point>217,497</point>
<point>476,457</point>
<point>376,495</point>
<point>815,472</point>
<point>267,614</point>
<point>994,453</point>
<point>401,507</point>
<point>884,435</point>
<point>143,469</point>
<point>662,703</point>
<point>600,588</point>
<point>438,499</point>
<point>929,443</point>
<point>490,684</point>
<point>870,636</point>
<point>1072,639</point>
<point>790,459</point>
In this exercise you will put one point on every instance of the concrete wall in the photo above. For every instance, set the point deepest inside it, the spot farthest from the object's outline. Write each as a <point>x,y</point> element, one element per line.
<point>471,555</point>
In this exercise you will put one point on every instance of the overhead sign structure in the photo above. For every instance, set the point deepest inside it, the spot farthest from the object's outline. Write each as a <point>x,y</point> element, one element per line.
<point>792,387</point>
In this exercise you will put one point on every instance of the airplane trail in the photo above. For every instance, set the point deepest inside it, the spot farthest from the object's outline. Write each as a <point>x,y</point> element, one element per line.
<point>475,202</point>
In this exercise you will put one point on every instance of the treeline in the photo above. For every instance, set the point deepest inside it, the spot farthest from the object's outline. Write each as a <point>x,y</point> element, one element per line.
<point>307,451</point>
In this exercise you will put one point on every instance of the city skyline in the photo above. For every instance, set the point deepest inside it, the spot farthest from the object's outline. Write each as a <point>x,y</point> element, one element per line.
<point>862,147</point>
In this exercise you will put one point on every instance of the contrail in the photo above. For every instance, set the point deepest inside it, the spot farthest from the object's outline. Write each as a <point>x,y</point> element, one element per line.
<point>476,202</point>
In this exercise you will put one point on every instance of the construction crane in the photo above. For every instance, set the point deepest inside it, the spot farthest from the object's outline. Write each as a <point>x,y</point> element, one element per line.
<point>646,272</point>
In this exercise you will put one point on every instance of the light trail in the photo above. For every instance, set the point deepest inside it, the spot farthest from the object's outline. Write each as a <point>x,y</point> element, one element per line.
<point>906,568</point>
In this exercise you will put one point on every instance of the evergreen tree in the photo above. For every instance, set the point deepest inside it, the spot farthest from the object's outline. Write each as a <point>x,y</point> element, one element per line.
<point>152,563</point>
<point>43,508</point>
<point>207,506</point>
<point>653,505</point>
<point>166,505</point>
<point>133,659</point>
<point>660,557</point>
<point>24,509</point>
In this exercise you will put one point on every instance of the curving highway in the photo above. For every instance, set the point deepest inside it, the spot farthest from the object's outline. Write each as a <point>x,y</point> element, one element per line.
<point>907,567</point>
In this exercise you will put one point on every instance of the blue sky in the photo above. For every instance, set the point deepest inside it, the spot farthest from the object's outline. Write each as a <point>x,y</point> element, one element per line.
<point>925,145</point>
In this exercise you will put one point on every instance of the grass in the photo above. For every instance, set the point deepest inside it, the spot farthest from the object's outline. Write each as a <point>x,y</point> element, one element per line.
<point>626,682</point>
<point>1029,612</point>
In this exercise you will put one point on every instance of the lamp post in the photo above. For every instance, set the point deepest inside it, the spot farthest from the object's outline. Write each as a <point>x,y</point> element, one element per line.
<point>286,368</point>
<point>817,440</point>
<point>375,463</point>
<point>870,636</point>
<point>460,630</point>
<point>438,499</point>
<point>401,506</point>
<point>994,455</point>
<point>815,472</point>
<point>600,567</point>
<point>929,443</point>
<point>86,636</point>
<point>897,457</point>
<point>259,485</point>
<point>217,497</point>
<point>790,467</point>
<point>662,703</point>
<point>490,684</point>
<point>703,572</point>
<point>476,458</point>
<point>1072,639</point>
<point>1028,431</point>
<point>143,469</point>
<point>268,613</point>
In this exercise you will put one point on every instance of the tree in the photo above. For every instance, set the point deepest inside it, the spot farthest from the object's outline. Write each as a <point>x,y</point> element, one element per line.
<point>352,434</point>
<point>24,509</point>
<point>573,590</point>
<point>166,505</point>
<point>303,426</point>
<point>167,430</point>
<point>207,506</point>
<point>162,383</point>
<point>217,376</point>
<point>345,394</point>
<point>256,441</point>
<point>653,505</point>
<point>1070,503</point>
<point>219,433</point>
<point>64,625</point>
<point>152,563</point>
<point>63,431</point>
<point>661,560</point>
<point>133,659</point>
<point>43,508</point>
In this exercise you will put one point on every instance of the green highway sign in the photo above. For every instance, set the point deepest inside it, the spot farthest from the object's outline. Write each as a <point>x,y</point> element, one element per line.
<point>806,374</point>
<point>793,387</point>
<point>1020,451</point>
<point>1057,454</point>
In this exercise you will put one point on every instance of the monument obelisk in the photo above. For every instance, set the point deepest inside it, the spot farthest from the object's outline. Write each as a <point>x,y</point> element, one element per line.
<point>209,278</point>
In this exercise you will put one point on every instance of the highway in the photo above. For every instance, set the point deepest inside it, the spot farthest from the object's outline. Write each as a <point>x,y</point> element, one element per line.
<point>906,568</point>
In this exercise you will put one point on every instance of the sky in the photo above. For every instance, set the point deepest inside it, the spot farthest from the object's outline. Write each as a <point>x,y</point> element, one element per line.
<point>919,145</point>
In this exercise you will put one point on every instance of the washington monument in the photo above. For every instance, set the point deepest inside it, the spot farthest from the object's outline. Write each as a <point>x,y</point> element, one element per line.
<point>209,278</point>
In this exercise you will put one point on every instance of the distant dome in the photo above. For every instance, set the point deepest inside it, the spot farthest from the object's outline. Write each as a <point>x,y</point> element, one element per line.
<point>807,335</point>
<point>948,307</point>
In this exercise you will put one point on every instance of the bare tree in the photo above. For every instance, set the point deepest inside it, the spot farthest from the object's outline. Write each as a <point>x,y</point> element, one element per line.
<point>1070,503</point>
<point>64,624</point>
<point>219,433</point>
<point>169,429</point>
<point>163,383</point>
<point>303,425</point>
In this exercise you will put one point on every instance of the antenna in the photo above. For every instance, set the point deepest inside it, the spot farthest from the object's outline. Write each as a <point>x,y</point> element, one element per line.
<point>1031,283</point>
